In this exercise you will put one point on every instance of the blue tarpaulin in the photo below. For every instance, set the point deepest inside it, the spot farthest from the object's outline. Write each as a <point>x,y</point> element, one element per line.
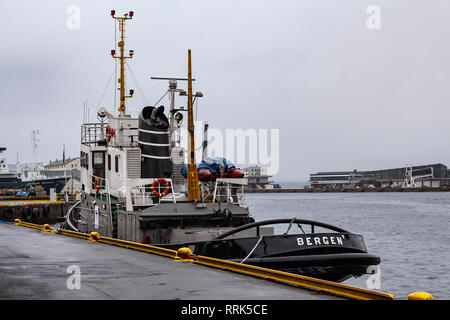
<point>23,193</point>
<point>212,164</point>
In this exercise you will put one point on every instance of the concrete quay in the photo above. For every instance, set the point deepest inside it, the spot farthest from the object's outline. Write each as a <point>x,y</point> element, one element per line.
<point>37,265</point>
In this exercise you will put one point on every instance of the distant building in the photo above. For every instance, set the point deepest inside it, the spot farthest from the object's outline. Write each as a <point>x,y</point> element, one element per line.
<point>59,165</point>
<point>432,175</point>
<point>70,168</point>
<point>258,177</point>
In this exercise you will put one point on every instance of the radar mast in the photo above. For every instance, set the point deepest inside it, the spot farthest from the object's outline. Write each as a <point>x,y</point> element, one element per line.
<point>122,57</point>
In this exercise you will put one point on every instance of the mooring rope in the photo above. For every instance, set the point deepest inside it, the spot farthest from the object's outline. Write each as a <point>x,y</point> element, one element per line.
<point>260,238</point>
<point>290,225</point>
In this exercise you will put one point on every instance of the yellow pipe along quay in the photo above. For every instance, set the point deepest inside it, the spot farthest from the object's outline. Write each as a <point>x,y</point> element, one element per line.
<point>185,255</point>
<point>60,198</point>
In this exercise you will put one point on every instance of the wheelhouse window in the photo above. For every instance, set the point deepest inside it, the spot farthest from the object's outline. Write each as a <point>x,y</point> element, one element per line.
<point>98,161</point>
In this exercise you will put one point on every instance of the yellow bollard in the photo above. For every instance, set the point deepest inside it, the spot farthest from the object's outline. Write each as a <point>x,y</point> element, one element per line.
<point>420,296</point>
<point>46,227</point>
<point>94,236</point>
<point>186,255</point>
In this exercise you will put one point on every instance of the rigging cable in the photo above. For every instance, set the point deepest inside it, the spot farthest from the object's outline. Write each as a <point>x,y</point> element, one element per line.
<point>161,98</point>
<point>144,100</point>
<point>106,88</point>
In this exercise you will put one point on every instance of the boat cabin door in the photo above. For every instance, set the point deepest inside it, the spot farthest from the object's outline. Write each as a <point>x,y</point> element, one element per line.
<point>98,164</point>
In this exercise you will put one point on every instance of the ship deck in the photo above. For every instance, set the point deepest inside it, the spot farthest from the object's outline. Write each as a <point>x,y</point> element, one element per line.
<point>34,265</point>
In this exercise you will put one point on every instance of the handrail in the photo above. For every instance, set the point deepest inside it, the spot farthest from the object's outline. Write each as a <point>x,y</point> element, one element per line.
<point>279,221</point>
<point>136,194</point>
<point>234,188</point>
<point>92,133</point>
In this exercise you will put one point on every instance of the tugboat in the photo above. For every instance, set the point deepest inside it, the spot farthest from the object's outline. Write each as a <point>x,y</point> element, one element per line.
<point>133,189</point>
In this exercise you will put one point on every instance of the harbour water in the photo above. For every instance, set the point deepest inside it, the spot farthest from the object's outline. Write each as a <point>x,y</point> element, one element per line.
<point>409,231</point>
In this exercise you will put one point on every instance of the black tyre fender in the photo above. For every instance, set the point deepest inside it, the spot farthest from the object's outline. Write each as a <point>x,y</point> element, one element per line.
<point>35,214</point>
<point>27,213</point>
<point>46,210</point>
<point>8,213</point>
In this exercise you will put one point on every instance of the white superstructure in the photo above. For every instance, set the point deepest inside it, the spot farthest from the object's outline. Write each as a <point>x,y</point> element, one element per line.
<point>3,162</point>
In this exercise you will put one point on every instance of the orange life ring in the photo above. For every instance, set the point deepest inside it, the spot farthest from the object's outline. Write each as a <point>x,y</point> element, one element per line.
<point>109,133</point>
<point>97,184</point>
<point>166,190</point>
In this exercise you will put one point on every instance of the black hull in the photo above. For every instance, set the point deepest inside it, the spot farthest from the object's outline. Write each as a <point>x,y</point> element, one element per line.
<point>14,184</point>
<point>334,256</point>
<point>335,261</point>
<point>331,267</point>
<point>11,183</point>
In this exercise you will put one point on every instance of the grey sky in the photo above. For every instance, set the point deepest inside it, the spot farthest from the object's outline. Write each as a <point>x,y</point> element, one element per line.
<point>344,97</point>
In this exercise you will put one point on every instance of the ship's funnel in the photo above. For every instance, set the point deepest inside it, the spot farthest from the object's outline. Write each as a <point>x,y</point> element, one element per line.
<point>154,141</point>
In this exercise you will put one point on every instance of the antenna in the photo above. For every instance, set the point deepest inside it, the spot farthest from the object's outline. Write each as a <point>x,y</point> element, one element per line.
<point>85,119</point>
<point>205,140</point>
<point>35,144</point>
<point>122,58</point>
<point>175,116</point>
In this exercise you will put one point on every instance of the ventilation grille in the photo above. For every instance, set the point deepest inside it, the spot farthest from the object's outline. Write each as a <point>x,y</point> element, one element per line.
<point>134,163</point>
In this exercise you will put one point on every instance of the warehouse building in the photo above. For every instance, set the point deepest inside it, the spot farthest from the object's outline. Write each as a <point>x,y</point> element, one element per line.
<point>431,175</point>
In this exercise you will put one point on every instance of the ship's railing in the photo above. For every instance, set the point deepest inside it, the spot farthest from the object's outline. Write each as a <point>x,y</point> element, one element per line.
<point>229,190</point>
<point>150,192</point>
<point>92,133</point>
<point>100,186</point>
<point>102,190</point>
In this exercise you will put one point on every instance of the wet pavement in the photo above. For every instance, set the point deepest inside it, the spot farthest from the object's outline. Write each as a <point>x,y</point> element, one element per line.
<point>39,265</point>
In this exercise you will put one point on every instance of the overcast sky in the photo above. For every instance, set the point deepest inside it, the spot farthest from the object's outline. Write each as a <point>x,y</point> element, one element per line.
<point>343,96</point>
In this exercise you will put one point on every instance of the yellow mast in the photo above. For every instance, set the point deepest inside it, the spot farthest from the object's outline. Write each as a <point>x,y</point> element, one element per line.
<point>122,58</point>
<point>193,187</point>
